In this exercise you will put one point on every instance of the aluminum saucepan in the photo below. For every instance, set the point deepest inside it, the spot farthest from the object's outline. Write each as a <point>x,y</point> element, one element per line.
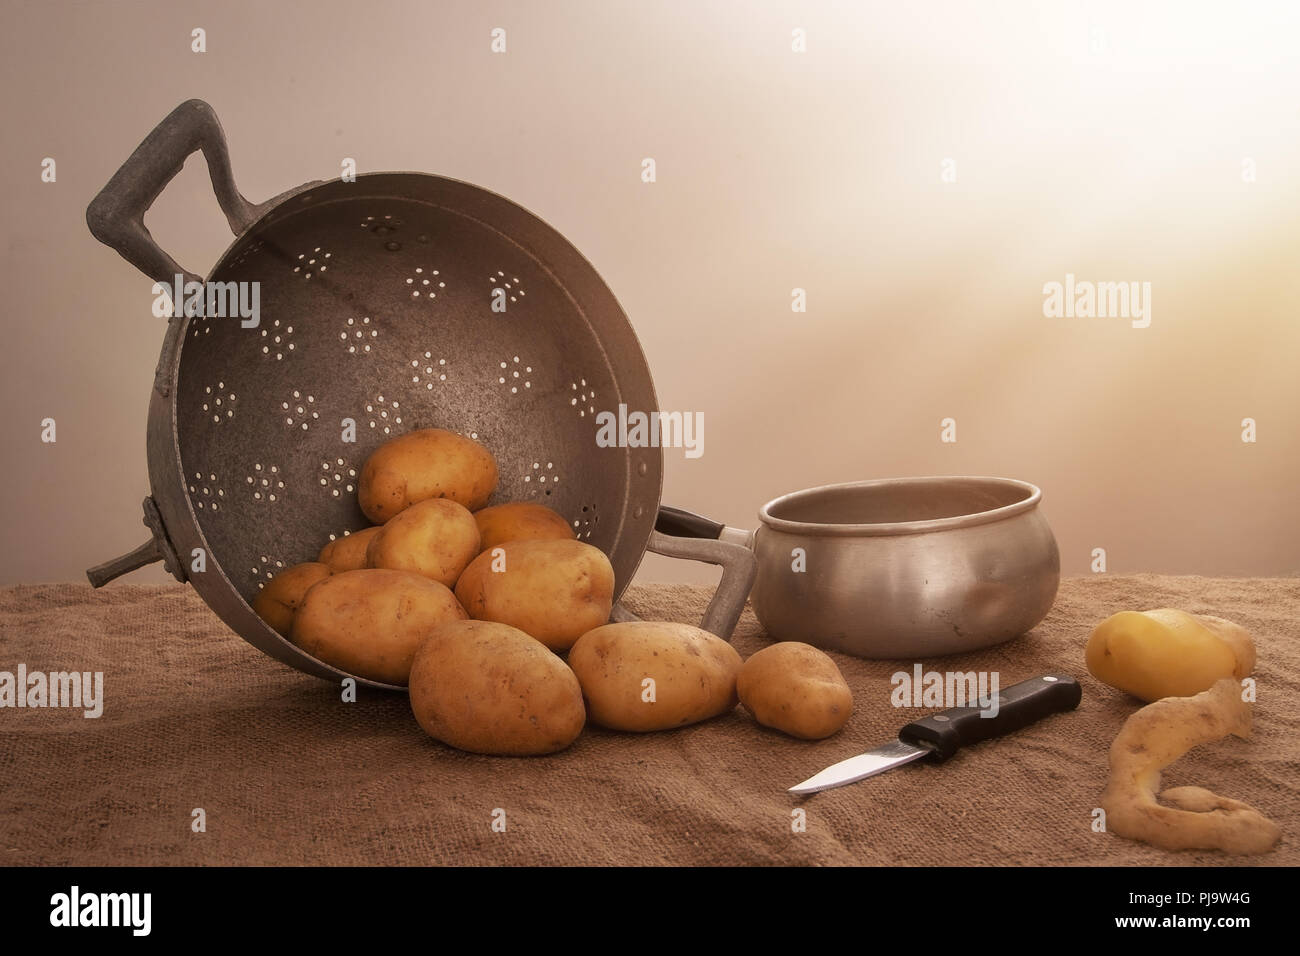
<point>897,567</point>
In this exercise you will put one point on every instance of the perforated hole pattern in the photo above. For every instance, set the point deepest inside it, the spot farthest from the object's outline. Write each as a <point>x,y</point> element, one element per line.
<point>391,330</point>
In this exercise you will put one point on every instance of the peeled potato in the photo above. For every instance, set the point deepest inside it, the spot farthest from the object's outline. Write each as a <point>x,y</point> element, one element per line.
<point>277,603</point>
<point>370,622</point>
<point>1168,653</point>
<point>491,689</point>
<point>519,521</point>
<point>347,553</point>
<point>649,675</point>
<point>795,688</point>
<point>435,538</point>
<point>554,591</point>
<point>423,464</point>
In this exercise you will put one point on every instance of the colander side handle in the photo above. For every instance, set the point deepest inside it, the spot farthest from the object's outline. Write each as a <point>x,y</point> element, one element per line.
<point>739,568</point>
<point>116,215</point>
<point>101,574</point>
<point>157,548</point>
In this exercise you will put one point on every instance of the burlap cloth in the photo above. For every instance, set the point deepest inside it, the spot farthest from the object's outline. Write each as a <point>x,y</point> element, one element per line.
<point>287,773</point>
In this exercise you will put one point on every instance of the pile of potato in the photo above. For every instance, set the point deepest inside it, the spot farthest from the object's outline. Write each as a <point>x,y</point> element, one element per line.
<point>470,607</point>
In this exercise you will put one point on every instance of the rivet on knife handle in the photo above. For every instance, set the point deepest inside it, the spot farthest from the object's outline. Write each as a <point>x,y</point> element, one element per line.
<point>1018,706</point>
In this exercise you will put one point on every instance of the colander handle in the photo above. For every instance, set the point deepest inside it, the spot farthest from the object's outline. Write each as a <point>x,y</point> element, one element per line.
<point>101,574</point>
<point>116,215</point>
<point>739,568</point>
<point>157,548</point>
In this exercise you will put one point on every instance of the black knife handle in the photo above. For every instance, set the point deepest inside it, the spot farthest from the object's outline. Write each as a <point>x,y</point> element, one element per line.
<point>1018,706</point>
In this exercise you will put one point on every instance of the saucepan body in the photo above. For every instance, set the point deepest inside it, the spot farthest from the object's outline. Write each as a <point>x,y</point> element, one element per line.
<point>906,568</point>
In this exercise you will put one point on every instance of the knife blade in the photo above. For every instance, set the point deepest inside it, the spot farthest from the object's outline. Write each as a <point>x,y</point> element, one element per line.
<point>939,736</point>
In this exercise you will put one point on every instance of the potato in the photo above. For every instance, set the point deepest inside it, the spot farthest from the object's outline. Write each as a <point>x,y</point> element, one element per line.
<point>491,689</point>
<point>1168,653</point>
<point>519,521</point>
<point>423,464</point>
<point>647,675</point>
<point>435,537</point>
<point>795,688</point>
<point>554,591</point>
<point>347,553</point>
<point>283,595</point>
<point>370,622</point>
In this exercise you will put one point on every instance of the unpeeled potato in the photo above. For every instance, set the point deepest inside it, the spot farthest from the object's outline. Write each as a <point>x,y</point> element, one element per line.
<point>519,521</point>
<point>435,537</point>
<point>797,689</point>
<point>650,675</point>
<point>423,464</point>
<point>347,553</point>
<point>1168,653</point>
<point>491,689</point>
<point>370,622</point>
<point>554,591</point>
<point>277,603</point>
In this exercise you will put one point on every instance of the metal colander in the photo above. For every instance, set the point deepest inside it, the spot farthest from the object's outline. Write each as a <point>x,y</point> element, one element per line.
<point>396,302</point>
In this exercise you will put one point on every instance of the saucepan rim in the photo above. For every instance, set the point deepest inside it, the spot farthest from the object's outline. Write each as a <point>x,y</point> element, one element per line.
<point>1033,495</point>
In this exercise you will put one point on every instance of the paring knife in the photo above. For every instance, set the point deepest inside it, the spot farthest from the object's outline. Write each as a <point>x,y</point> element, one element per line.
<point>939,736</point>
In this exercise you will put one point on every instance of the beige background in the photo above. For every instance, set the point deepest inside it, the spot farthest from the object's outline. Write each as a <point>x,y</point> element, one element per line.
<point>1107,142</point>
